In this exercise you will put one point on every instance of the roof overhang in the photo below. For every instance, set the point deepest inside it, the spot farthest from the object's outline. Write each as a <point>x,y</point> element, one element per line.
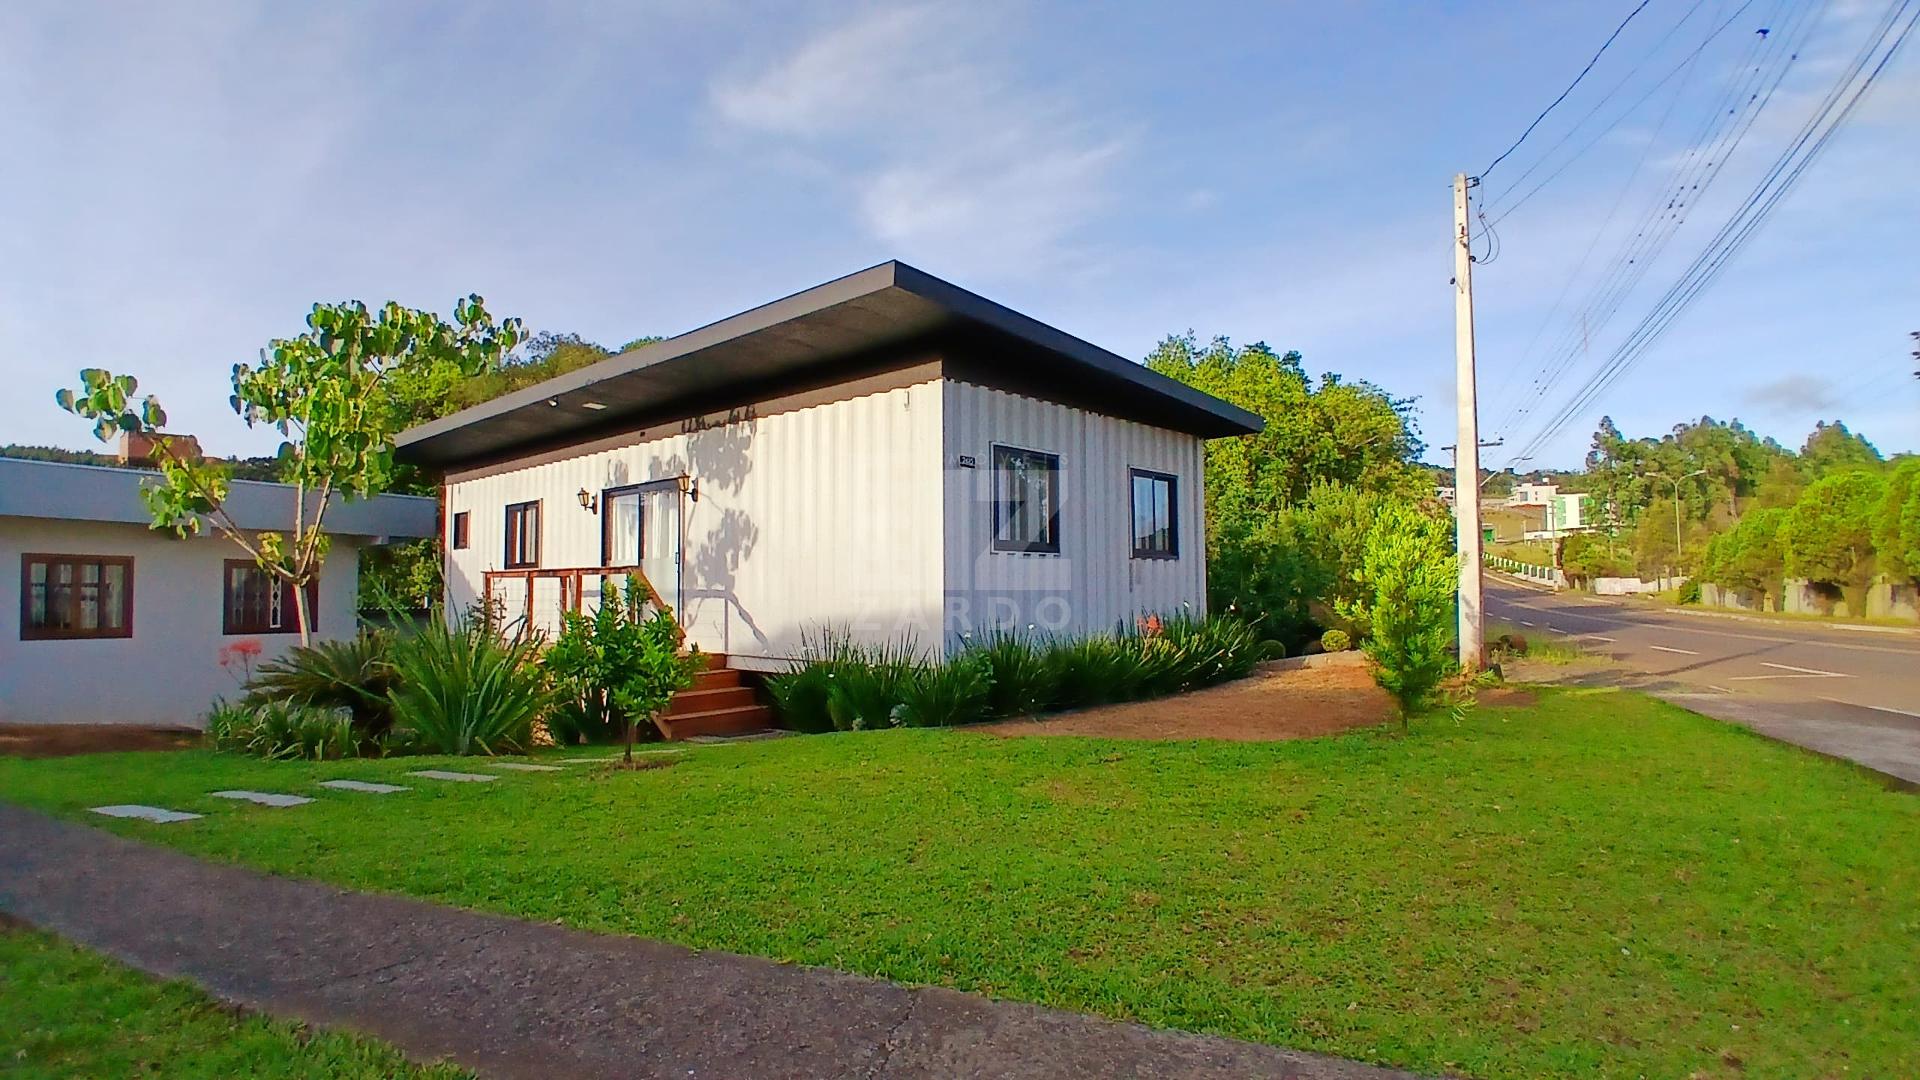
<point>887,314</point>
<point>62,491</point>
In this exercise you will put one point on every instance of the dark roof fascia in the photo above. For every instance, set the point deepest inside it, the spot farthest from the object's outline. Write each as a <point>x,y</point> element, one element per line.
<point>1190,409</point>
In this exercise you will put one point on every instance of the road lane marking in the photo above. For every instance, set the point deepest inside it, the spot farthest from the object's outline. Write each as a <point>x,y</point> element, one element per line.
<point>1806,670</point>
<point>1597,637</point>
<point>1524,622</point>
<point>1556,630</point>
<point>1682,652</point>
<point>1875,708</point>
<point>1792,673</point>
<point>1722,689</point>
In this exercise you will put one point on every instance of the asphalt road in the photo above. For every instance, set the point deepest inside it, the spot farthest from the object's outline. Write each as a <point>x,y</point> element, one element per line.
<point>1851,693</point>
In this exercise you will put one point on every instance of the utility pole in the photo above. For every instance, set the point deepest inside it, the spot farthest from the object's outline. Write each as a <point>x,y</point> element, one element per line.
<point>1466,461</point>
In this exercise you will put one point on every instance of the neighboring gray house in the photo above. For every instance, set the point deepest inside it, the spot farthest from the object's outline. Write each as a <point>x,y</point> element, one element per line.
<point>116,623</point>
<point>886,454</point>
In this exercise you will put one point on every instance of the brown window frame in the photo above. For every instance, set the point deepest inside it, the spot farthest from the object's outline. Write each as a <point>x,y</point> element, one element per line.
<point>460,532</point>
<point>29,632</point>
<point>1172,550</point>
<point>506,558</point>
<point>232,628</point>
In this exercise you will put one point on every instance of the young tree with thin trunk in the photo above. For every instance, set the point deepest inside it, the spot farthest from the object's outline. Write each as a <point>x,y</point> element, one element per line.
<point>327,392</point>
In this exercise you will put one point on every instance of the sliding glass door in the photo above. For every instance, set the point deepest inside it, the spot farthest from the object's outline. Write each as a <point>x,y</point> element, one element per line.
<point>643,529</point>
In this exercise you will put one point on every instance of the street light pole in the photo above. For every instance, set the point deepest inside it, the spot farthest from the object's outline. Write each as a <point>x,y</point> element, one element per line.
<point>1675,481</point>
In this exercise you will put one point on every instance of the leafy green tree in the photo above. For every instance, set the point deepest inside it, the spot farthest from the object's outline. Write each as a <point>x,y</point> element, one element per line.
<point>1750,555</point>
<point>1828,535</point>
<point>1896,522</point>
<point>1266,559</point>
<point>326,391</point>
<point>618,667</point>
<point>1409,572</point>
<point>1831,448</point>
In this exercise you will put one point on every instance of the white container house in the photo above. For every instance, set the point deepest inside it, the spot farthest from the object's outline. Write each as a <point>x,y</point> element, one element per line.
<point>116,623</point>
<point>885,455</point>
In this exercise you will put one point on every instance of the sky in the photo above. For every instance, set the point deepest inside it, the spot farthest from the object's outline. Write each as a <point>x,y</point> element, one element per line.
<point>183,181</point>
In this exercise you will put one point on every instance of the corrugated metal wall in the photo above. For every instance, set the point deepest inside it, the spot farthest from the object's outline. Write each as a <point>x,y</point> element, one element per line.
<point>855,514</point>
<point>825,514</point>
<point>1094,583</point>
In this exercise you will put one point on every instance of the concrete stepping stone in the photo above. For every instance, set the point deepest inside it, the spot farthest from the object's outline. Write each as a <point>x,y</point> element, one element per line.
<point>462,777</point>
<point>145,813</point>
<point>362,785</point>
<point>523,766</point>
<point>264,798</point>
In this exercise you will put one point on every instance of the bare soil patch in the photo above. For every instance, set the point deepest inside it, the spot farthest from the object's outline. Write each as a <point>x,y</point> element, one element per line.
<point>60,740</point>
<point>1278,701</point>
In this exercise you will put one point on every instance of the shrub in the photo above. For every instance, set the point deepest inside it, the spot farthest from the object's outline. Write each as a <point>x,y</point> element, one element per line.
<point>464,690</point>
<point>282,730</point>
<point>1409,569</point>
<point>1335,641</point>
<point>1019,682</point>
<point>942,695</point>
<point>354,675</point>
<point>867,686</point>
<point>1689,591</point>
<point>839,686</point>
<point>615,669</point>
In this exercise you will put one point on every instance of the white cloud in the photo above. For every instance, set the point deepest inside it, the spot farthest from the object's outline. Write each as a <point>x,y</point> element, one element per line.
<point>943,153</point>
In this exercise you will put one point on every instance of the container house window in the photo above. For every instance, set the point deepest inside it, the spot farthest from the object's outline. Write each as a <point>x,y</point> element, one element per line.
<point>1156,520</point>
<point>75,596</point>
<point>257,602</point>
<point>459,530</point>
<point>1026,500</point>
<point>523,536</point>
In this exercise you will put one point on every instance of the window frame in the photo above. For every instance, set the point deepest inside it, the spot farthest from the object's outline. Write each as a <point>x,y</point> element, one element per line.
<point>1173,513</point>
<point>507,535</point>
<point>229,628</point>
<point>29,632</point>
<point>1052,545</point>
<point>460,531</point>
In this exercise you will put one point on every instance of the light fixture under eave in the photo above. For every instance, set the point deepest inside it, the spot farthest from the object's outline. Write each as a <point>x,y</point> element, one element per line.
<point>596,406</point>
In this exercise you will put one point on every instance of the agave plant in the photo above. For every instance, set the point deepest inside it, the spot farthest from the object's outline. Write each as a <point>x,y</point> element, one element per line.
<point>465,690</point>
<point>354,675</point>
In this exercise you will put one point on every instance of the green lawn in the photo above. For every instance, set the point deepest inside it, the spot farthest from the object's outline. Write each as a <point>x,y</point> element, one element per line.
<point>1600,885</point>
<point>67,1012</point>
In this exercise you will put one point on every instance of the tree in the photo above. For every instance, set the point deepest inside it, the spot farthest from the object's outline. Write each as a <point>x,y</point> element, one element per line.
<point>1832,448</point>
<point>1828,535</point>
<point>1410,572</point>
<point>1265,558</point>
<point>329,393</point>
<point>1896,522</point>
<point>1749,555</point>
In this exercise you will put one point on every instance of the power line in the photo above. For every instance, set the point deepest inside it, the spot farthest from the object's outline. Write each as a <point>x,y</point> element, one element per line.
<point>1491,203</point>
<point>1759,205</point>
<point>1563,94</point>
<point>1726,125</point>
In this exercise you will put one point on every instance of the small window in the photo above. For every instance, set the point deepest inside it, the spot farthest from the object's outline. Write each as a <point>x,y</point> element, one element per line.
<point>1156,516</point>
<point>523,535</point>
<point>1026,501</point>
<point>458,539</point>
<point>257,602</point>
<point>75,596</point>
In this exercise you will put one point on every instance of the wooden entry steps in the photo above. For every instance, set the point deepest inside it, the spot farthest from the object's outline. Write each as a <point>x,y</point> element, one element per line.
<point>720,702</point>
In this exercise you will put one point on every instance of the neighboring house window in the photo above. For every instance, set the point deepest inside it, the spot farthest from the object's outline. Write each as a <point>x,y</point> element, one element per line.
<point>1156,521</point>
<point>257,602</point>
<point>459,537</point>
<point>76,596</point>
<point>523,535</point>
<point>1026,500</point>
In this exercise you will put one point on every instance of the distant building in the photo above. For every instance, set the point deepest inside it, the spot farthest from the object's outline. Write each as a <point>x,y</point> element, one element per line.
<point>1561,512</point>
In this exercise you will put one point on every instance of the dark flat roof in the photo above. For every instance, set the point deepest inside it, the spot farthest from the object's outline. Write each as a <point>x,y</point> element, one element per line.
<point>845,326</point>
